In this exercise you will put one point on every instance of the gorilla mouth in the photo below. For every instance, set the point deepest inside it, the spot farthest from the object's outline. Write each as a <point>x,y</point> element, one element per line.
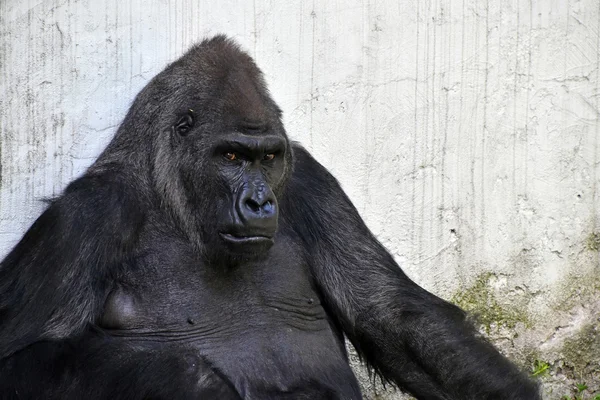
<point>242,239</point>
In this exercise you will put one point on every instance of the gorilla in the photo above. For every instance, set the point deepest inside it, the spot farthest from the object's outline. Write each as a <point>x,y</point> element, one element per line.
<point>204,255</point>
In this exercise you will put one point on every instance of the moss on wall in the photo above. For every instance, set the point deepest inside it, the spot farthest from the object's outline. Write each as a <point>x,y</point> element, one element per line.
<point>480,300</point>
<point>581,353</point>
<point>576,290</point>
<point>593,241</point>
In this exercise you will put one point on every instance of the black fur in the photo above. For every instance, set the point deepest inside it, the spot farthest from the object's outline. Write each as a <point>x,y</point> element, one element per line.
<point>184,264</point>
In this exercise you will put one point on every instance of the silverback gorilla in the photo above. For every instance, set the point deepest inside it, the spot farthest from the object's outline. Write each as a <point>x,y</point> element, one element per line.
<point>204,255</point>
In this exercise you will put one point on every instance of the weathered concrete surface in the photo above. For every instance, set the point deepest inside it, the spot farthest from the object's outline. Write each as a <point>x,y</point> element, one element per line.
<point>466,132</point>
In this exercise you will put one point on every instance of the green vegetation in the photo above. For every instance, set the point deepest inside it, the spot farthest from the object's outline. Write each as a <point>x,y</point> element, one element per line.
<point>480,301</point>
<point>581,357</point>
<point>540,368</point>
<point>581,353</point>
<point>593,241</point>
<point>579,390</point>
<point>578,357</point>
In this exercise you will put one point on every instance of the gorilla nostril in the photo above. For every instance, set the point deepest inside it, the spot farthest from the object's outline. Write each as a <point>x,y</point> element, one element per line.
<point>268,207</point>
<point>264,209</point>
<point>253,205</point>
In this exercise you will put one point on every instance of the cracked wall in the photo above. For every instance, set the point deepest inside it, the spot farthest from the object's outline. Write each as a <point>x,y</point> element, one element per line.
<point>465,132</point>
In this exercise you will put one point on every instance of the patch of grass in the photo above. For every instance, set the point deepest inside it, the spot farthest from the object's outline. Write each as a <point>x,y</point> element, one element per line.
<point>581,387</point>
<point>540,368</point>
<point>579,390</point>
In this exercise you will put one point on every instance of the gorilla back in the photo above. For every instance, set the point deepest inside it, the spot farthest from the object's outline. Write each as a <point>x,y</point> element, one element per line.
<point>203,255</point>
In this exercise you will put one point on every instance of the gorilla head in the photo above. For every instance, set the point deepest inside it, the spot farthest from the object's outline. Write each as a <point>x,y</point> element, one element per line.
<point>219,154</point>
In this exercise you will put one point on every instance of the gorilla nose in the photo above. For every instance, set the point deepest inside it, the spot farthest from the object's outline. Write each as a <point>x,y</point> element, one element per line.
<point>257,209</point>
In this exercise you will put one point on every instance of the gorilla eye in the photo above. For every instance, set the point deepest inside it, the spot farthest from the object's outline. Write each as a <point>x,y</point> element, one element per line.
<point>230,156</point>
<point>185,124</point>
<point>269,157</point>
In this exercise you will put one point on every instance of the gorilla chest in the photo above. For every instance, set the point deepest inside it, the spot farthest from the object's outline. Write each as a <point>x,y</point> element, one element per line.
<point>260,307</point>
<point>175,291</point>
<point>261,324</point>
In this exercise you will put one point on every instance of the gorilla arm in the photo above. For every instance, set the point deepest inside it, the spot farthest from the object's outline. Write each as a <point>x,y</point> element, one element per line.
<point>54,282</point>
<point>409,336</point>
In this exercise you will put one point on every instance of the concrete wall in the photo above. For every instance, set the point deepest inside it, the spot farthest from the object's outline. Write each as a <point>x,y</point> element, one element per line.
<point>466,133</point>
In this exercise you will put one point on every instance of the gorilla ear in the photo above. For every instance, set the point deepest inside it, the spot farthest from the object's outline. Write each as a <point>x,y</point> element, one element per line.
<point>185,124</point>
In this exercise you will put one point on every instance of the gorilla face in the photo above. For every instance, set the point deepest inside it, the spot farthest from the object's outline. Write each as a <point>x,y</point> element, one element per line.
<point>240,168</point>
<point>250,165</point>
<point>224,143</point>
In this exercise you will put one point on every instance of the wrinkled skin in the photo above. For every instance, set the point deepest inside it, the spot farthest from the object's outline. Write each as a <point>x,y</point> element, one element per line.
<point>204,255</point>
